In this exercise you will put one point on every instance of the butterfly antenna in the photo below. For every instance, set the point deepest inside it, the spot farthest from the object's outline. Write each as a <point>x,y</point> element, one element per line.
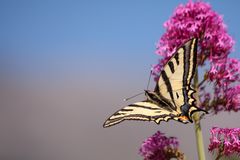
<point>126,99</point>
<point>149,79</point>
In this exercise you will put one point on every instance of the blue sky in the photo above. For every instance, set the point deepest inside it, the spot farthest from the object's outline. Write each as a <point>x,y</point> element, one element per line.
<point>75,36</point>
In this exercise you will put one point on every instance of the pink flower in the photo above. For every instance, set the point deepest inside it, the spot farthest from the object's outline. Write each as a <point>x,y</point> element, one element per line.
<point>196,19</point>
<point>225,140</point>
<point>233,99</point>
<point>158,146</point>
<point>226,97</point>
<point>225,72</point>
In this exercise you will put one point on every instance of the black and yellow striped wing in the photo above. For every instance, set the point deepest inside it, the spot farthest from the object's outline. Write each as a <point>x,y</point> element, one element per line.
<point>174,84</point>
<point>173,95</point>
<point>143,111</point>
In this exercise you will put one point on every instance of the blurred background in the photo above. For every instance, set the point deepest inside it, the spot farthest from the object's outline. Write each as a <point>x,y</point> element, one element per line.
<point>66,66</point>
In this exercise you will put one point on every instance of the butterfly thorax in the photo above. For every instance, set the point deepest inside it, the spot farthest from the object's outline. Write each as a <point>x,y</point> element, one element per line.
<point>185,109</point>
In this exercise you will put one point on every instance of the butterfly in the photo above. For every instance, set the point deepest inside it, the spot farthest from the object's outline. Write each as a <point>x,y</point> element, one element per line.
<point>173,96</point>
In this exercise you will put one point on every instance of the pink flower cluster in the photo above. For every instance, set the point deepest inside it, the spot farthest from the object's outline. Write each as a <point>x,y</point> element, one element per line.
<point>224,75</point>
<point>229,100</point>
<point>225,140</point>
<point>154,148</point>
<point>225,72</point>
<point>197,19</point>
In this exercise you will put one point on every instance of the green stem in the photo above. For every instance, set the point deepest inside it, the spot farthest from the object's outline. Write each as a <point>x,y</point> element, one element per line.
<point>220,152</point>
<point>197,126</point>
<point>218,157</point>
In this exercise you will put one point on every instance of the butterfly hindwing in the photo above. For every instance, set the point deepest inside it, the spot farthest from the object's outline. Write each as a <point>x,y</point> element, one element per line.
<point>144,111</point>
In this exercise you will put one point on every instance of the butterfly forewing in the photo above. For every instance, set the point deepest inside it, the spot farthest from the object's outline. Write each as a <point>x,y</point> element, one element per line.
<point>175,80</point>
